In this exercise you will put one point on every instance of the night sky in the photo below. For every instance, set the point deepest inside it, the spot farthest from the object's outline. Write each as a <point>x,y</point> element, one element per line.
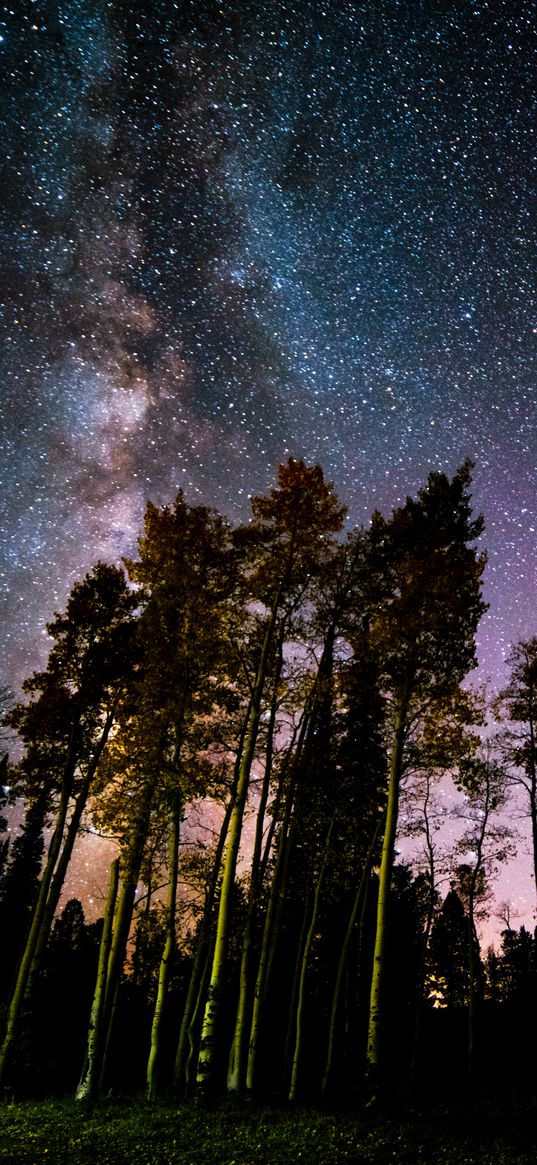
<point>237,232</point>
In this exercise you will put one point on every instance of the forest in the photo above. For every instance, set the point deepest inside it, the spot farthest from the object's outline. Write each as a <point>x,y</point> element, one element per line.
<point>255,715</point>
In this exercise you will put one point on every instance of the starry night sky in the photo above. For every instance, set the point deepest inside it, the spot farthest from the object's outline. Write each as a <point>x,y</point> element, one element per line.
<point>241,231</point>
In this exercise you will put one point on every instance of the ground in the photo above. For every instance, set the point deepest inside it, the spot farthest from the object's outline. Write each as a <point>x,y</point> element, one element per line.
<point>480,1132</point>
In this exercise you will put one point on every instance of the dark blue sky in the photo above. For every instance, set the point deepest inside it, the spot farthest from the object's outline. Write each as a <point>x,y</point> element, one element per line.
<point>233,232</point>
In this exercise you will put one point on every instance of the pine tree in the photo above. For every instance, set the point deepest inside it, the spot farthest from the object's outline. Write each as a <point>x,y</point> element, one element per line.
<point>447,975</point>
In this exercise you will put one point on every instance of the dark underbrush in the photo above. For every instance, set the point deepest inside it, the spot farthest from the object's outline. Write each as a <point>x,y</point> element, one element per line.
<point>482,1132</point>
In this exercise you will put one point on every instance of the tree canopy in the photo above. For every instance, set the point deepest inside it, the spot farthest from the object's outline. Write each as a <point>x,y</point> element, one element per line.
<point>238,714</point>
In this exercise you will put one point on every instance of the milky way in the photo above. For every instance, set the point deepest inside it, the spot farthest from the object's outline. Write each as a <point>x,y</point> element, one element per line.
<point>234,232</point>
<point>237,232</point>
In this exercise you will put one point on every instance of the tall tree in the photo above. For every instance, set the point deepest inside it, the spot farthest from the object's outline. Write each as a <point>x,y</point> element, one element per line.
<point>185,574</point>
<point>288,540</point>
<point>290,767</point>
<point>337,808</point>
<point>19,887</point>
<point>65,728</point>
<point>327,777</point>
<point>447,965</point>
<point>190,1029</point>
<point>518,702</point>
<point>87,1086</point>
<point>361,756</point>
<point>425,606</point>
<point>442,744</point>
<point>166,962</point>
<point>486,841</point>
<point>516,970</point>
<point>236,1067</point>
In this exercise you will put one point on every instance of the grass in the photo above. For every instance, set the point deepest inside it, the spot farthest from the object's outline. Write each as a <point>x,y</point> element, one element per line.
<point>54,1132</point>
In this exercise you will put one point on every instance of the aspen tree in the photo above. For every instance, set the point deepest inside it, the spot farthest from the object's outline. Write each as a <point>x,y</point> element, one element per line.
<point>65,728</point>
<point>517,704</point>
<point>423,626</point>
<point>288,539</point>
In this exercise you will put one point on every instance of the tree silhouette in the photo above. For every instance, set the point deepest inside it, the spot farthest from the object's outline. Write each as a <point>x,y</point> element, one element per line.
<point>425,606</point>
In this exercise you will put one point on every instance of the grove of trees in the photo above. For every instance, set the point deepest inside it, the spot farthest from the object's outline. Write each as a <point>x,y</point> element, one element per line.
<point>254,715</point>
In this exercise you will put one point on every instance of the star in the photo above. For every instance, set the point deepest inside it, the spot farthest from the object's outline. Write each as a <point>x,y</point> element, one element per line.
<point>223,234</point>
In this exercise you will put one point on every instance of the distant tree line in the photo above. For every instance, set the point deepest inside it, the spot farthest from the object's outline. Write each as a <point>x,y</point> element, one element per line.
<point>255,713</point>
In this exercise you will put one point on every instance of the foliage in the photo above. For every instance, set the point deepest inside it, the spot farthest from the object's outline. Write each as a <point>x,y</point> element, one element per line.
<point>425,587</point>
<point>275,686</point>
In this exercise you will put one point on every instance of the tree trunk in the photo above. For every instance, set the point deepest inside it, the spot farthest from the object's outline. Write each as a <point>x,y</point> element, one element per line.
<point>118,942</point>
<point>236,1078</point>
<point>118,951</point>
<point>23,974</point>
<point>166,962</point>
<point>87,1087</point>
<point>194,1027</point>
<point>533,792</point>
<point>276,898</point>
<point>290,1034</point>
<point>304,967</point>
<point>533,816</point>
<point>186,1046</point>
<point>50,888</point>
<point>64,857</point>
<point>471,988</point>
<point>270,930</point>
<point>376,1003</point>
<point>279,879</point>
<point>212,1007</point>
<point>420,988</point>
<point>338,987</point>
